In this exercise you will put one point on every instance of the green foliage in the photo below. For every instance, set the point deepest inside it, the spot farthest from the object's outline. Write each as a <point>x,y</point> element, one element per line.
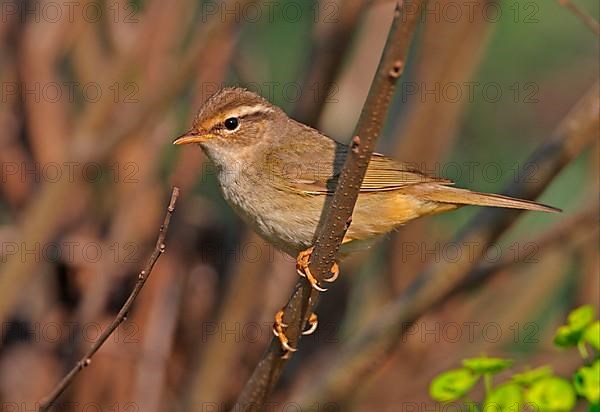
<point>574,332</point>
<point>538,389</point>
<point>551,394</point>
<point>485,365</point>
<point>529,377</point>
<point>506,397</point>
<point>452,385</point>
<point>587,382</point>
<point>581,317</point>
<point>592,335</point>
<point>566,337</point>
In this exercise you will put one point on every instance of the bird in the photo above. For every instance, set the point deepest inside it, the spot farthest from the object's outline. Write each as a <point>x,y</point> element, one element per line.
<point>278,175</point>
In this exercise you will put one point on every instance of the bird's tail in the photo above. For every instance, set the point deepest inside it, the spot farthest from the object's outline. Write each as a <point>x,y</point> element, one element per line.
<point>457,196</point>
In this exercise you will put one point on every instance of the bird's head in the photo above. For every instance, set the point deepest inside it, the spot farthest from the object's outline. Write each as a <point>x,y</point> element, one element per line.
<point>231,120</point>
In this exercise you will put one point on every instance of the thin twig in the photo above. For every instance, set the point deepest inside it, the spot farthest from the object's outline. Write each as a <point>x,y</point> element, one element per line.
<point>339,210</point>
<point>577,131</point>
<point>584,17</point>
<point>143,276</point>
<point>93,143</point>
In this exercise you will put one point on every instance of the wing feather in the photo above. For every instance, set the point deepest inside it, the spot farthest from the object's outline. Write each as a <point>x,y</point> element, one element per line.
<point>319,177</point>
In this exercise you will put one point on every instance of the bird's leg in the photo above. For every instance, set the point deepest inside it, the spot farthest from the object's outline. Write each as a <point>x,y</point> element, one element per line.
<point>313,321</point>
<point>278,330</point>
<point>335,272</point>
<point>279,326</point>
<point>302,263</point>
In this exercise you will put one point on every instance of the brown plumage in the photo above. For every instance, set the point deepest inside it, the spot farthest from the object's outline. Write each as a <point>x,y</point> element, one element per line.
<point>278,174</point>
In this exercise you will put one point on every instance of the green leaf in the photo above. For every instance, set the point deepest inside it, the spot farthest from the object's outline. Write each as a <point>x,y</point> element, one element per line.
<point>577,322</point>
<point>566,337</point>
<point>594,407</point>
<point>452,385</point>
<point>529,377</point>
<point>551,395</point>
<point>506,397</point>
<point>581,317</point>
<point>487,365</point>
<point>587,382</point>
<point>592,335</point>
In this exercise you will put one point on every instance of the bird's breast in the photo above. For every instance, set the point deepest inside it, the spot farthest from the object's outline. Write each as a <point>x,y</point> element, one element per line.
<point>285,218</point>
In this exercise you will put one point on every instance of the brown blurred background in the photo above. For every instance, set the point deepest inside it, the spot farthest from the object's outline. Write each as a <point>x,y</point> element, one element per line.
<point>93,93</point>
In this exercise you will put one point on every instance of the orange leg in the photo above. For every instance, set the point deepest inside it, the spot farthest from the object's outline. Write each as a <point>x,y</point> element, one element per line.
<point>278,331</point>
<point>302,263</point>
<point>279,326</point>
<point>313,321</point>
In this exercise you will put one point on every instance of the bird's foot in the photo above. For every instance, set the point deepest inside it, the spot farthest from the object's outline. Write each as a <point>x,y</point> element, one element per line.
<point>279,331</point>
<point>313,322</point>
<point>302,263</point>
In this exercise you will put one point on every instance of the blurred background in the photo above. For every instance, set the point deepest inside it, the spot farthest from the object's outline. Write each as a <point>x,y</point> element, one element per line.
<point>93,93</point>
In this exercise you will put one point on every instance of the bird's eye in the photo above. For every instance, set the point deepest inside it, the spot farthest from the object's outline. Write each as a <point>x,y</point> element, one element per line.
<point>232,123</point>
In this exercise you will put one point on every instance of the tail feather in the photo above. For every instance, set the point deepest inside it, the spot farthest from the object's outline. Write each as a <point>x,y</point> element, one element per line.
<point>457,196</point>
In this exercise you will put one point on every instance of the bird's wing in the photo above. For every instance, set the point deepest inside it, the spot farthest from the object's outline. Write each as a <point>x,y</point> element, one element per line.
<point>318,175</point>
<point>384,173</point>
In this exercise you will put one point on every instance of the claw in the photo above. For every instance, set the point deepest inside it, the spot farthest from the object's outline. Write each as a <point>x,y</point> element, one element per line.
<point>313,281</point>
<point>313,322</point>
<point>302,269</point>
<point>335,272</point>
<point>302,261</point>
<point>279,319</point>
<point>285,345</point>
<point>278,331</point>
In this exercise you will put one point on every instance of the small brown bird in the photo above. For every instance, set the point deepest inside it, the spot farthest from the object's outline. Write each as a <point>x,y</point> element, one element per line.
<point>277,174</point>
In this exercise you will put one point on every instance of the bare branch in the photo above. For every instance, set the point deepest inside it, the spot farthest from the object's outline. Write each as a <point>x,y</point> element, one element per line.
<point>339,210</point>
<point>93,143</point>
<point>575,133</point>
<point>143,276</point>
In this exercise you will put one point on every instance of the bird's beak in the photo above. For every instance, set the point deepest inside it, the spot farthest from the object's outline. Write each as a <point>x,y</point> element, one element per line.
<point>193,136</point>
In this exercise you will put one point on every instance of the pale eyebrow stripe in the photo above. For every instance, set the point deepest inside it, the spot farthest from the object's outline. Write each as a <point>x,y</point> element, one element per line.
<point>237,112</point>
<point>248,110</point>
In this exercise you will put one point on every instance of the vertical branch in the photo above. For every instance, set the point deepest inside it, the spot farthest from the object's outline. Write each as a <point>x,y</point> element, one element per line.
<point>338,216</point>
<point>574,134</point>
